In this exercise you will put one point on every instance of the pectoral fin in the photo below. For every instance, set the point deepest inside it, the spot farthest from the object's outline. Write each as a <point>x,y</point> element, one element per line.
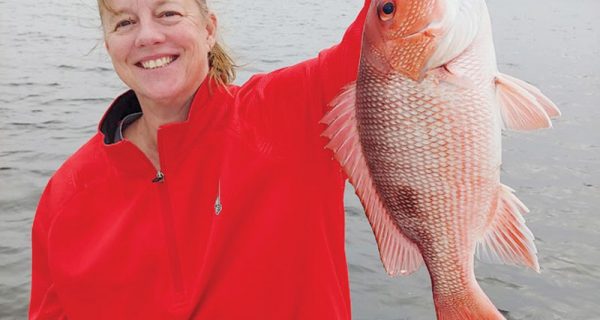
<point>398,253</point>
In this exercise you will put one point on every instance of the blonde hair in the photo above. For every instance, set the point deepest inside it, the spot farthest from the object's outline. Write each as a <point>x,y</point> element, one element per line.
<point>221,65</point>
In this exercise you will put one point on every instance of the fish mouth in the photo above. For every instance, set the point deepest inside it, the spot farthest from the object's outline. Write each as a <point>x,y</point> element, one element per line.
<point>432,29</point>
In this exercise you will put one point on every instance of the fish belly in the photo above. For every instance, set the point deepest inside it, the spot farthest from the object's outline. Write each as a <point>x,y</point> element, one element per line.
<point>433,150</point>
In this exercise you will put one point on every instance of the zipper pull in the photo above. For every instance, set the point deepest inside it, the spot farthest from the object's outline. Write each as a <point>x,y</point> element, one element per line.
<point>160,177</point>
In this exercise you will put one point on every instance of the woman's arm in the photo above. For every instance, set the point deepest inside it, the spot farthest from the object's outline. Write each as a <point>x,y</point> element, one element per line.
<point>285,106</point>
<point>338,66</point>
<point>44,303</point>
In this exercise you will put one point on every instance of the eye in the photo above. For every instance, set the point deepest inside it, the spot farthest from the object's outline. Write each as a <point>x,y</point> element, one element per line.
<point>168,14</point>
<point>387,10</point>
<point>124,23</point>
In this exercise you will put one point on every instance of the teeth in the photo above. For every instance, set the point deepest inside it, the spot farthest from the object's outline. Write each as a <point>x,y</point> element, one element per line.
<point>153,64</point>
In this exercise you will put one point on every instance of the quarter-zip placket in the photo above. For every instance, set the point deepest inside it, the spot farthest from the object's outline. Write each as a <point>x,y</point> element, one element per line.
<point>166,209</point>
<point>169,227</point>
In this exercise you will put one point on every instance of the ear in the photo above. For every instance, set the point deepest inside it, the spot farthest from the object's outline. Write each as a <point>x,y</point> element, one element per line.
<point>106,45</point>
<point>211,29</point>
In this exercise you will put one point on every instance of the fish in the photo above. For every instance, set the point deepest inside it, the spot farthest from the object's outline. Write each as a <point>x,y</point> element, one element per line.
<point>418,135</point>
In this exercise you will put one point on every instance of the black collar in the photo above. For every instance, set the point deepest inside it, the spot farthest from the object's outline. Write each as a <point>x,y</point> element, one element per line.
<point>123,106</point>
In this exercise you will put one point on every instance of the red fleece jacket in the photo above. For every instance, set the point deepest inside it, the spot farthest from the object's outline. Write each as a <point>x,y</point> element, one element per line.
<point>247,222</point>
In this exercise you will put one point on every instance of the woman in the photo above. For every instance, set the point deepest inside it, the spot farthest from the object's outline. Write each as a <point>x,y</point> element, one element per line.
<point>197,199</point>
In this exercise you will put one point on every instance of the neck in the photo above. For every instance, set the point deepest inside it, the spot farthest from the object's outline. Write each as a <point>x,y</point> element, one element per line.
<point>159,113</point>
<point>144,131</point>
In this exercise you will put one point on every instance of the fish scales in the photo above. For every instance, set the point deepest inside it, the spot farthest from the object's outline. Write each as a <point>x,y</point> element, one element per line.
<point>419,136</point>
<point>428,150</point>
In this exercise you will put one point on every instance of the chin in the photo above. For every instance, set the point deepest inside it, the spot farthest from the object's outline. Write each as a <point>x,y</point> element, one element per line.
<point>162,96</point>
<point>162,90</point>
<point>166,89</point>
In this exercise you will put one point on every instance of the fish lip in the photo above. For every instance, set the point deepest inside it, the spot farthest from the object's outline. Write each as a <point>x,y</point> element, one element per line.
<point>432,29</point>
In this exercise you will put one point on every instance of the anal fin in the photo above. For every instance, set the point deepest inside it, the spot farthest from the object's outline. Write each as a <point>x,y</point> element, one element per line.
<point>400,256</point>
<point>507,239</point>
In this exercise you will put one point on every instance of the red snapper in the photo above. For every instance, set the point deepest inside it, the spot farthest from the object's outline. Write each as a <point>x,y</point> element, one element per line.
<point>419,136</point>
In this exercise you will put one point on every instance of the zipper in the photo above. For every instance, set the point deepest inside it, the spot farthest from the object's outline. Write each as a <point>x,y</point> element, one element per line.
<point>170,235</point>
<point>166,213</point>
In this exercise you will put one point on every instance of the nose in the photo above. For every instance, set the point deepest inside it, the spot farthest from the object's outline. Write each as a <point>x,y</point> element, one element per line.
<point>149,34</point>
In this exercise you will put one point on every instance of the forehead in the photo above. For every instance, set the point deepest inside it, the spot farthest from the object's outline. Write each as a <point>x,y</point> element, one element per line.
<point>120,6</point>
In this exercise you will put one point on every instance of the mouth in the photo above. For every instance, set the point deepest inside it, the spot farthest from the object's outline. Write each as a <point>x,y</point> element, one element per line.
<point>161,62</point>
<point>429,30</point>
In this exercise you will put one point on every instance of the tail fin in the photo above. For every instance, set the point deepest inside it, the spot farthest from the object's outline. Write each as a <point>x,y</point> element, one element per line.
<point>472,304</point>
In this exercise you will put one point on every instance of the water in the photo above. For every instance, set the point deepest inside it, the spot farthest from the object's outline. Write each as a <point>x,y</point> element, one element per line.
<point>56,81</point>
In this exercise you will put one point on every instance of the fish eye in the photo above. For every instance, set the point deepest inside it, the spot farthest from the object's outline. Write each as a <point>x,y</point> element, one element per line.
<point>387,10</point>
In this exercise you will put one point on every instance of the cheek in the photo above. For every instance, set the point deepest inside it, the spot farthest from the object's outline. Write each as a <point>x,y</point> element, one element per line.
<point>203,41</point>
<point>117,50</point>
<point>199,45</point>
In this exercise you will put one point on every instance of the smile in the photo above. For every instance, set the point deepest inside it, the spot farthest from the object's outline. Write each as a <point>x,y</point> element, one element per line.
<point>156,63</point>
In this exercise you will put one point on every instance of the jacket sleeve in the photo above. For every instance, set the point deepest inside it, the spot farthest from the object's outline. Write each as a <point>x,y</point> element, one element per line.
<point>44,303</point>
<point>337,66</point>
<point>285,106</point>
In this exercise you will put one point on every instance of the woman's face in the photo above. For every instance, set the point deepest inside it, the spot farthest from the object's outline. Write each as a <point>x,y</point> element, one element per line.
<point>159,48</point>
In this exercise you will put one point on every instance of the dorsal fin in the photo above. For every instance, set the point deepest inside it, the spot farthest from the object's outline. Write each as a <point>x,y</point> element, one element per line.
<point>398,253</point>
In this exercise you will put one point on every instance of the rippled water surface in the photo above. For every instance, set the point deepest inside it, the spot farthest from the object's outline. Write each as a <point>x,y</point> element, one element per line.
<point>56,81</point>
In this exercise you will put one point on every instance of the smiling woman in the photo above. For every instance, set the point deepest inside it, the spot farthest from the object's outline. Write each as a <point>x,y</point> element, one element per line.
<point>196,194</point>
<point>185,38</point>
<point>221,65</point>
<point>160,49</point>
